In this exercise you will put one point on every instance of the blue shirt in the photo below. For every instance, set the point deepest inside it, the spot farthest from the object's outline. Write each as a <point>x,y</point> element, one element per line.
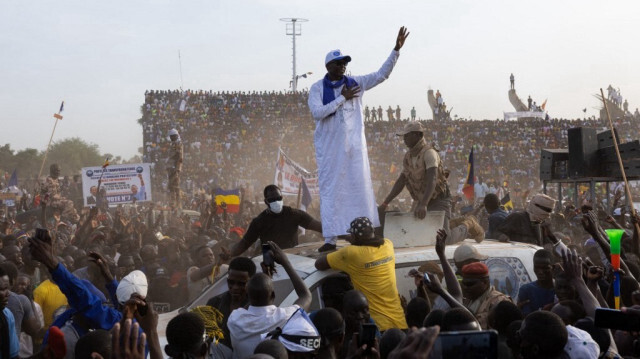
<point>537,296</point>
<point>82,300</point>
<point>14,344</point>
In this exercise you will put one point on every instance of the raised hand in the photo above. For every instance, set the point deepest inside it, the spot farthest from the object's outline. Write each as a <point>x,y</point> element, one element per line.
<point>441,242</point>
<point>99,260</point>
<point>402,36</point>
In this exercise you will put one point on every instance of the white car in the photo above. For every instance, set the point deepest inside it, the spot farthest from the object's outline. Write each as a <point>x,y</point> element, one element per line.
<point>510,266</point>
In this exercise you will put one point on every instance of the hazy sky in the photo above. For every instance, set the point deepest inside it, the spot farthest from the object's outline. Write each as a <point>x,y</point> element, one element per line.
<point>100,57</point>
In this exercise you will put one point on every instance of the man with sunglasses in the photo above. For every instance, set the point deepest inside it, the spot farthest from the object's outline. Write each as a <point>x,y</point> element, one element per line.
<point>527,226</point>
<point>341,147</point>
<point>479,295</point>
<point>277,223</point>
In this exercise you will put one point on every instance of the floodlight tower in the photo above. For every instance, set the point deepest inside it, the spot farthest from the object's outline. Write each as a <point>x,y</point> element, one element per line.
<point>294,28</point>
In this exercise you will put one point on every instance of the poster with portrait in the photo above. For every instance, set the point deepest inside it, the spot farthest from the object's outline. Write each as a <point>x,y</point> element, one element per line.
<point>122,183</point>
<point>289,174</point>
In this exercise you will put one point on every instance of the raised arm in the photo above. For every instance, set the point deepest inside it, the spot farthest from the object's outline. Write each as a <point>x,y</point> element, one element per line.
<point>304,295</point>
<point>449,275</point>
<point>373,79</point>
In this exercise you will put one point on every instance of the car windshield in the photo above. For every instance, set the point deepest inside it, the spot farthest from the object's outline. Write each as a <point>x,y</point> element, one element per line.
<point>281,284</point>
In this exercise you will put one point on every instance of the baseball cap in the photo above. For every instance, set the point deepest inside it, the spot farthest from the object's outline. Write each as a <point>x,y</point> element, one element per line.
<point>580,344</point>
<point>172,131</point>
<point>465,252</point>
<point>361,226</point>
<point>412,126</point>
<point>334,55</point>
<point>134,282</point>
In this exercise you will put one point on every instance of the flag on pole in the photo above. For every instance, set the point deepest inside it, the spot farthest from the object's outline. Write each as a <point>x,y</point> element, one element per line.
<point>58,115</point>
<point>506,202</point>
<point>13,181</point>
<point>231,198</point>
<point>106,163</point>
<point>544,104</point>
<point>467,189</point>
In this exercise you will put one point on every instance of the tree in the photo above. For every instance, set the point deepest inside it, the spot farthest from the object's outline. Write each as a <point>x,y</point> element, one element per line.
<point>72,154</point>
<point>28,162</point>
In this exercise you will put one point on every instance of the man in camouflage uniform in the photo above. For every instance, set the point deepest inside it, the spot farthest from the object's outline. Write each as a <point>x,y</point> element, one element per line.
<point>52,197</point>
<point>174,166</point>
<point>424,176</point>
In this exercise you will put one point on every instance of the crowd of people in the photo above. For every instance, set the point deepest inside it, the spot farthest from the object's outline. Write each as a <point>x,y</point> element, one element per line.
<point>230,138</point>
<point>98,276</point>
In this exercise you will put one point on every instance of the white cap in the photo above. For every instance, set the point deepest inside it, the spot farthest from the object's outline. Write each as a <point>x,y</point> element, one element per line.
<point>580,344</point>
<point>334,55</point>
<point>173,131</point>
<point>134,282</point>
<point>298,334</point>
<point>465,252</point>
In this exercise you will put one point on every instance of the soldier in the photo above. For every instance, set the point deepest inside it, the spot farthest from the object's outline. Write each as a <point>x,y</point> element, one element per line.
<point>51,195</point>
<point>174,166</point>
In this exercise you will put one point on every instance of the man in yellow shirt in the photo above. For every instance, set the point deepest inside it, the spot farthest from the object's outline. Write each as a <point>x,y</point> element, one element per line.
<point>50,298</point>
<point>370,262</point>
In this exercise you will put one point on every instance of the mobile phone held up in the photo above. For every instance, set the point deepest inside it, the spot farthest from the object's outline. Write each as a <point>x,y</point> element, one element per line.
<point>618,320</point>
<point>466,344</point>
<point>367,335</point>
<point>267,255</point>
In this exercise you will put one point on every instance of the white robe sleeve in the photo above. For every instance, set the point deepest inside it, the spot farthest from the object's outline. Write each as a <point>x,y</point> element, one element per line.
<point>373,79</point>
<point>318,110</point>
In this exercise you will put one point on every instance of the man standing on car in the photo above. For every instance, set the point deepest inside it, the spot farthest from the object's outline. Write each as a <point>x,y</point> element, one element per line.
<point>341,147</point>
<point>370,262</point>
<point>277,223</point>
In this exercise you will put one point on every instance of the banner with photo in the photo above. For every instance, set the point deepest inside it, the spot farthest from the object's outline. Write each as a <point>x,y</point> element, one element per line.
<point>289,175</point>
<point>123,183</point>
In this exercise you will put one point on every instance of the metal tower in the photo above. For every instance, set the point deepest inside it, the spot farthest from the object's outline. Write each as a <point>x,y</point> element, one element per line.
<point>294,28</point>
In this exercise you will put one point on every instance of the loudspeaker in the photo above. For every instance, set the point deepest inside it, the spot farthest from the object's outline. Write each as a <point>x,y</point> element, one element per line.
<point>605,138</point>
<point>553,163</point>
<point>583,145</point>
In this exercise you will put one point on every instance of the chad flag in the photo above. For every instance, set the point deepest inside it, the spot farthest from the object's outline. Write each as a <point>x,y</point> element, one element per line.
<point>230,197</point>
<point>467,189</point>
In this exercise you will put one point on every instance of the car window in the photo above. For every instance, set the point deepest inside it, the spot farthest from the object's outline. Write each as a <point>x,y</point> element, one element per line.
<point>281,285</point>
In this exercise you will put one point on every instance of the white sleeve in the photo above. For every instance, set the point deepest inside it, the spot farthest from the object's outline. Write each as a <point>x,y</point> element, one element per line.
<point>318,110</point>
<point>375,78</point>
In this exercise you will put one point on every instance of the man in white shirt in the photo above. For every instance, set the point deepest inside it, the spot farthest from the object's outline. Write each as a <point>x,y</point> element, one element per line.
<point>341,147</point>
<point>247,325</point>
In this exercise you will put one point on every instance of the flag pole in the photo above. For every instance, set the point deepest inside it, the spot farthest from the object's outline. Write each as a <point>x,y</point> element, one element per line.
<point>299,193</point>
<point>624,175</point>
<point>47,151</point>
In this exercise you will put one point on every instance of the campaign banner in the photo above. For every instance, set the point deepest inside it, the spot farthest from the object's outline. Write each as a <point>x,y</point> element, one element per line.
<point>123,183</point>
<point>289,174</point>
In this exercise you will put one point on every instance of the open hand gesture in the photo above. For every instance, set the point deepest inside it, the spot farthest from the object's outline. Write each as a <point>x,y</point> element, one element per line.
<point>441,242</point>
<point>350,92</point>
<point>402,36</point>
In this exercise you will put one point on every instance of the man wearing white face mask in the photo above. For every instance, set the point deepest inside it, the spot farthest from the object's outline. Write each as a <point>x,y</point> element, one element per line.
<point>277,223</point>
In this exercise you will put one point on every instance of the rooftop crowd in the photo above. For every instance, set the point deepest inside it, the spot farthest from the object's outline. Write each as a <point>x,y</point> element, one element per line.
<point>94,283</point>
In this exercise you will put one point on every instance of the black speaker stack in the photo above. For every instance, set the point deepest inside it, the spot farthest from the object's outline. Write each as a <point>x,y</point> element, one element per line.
<point>590,154</point>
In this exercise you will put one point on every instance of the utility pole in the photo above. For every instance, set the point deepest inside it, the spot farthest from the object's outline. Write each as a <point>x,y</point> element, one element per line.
<point>294,28</point>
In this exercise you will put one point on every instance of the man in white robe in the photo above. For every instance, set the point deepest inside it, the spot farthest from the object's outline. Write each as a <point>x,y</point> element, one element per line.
<point>346,191</point>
